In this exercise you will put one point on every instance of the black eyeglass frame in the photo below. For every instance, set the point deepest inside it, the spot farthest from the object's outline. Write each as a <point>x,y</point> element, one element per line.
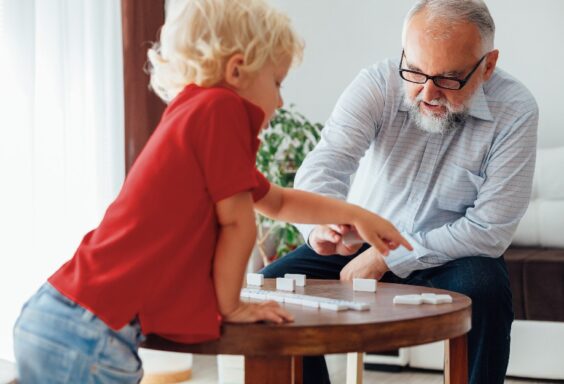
<point>435,79</point>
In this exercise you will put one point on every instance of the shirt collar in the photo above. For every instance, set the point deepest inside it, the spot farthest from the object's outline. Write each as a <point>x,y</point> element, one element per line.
<point>479,105</point>
<point>254,112</point>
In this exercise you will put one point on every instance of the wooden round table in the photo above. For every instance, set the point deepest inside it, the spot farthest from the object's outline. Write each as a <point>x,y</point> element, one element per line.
<point>273,352</point>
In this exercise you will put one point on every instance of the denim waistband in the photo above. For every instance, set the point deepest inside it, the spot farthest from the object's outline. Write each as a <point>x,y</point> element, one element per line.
<point>130,333</point>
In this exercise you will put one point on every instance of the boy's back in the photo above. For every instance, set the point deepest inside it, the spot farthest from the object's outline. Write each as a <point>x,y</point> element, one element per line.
<point>158,237</point>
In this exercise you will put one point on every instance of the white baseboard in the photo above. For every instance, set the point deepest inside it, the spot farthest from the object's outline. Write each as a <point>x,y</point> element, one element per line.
<point>155,361</point>
<point>402,359</point>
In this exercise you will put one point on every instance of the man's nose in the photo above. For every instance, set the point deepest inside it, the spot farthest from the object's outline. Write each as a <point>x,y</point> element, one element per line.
<point>280,101</point>
<point>430,91</point>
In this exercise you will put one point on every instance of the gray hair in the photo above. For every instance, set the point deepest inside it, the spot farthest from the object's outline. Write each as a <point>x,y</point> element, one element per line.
<point>456,11</point>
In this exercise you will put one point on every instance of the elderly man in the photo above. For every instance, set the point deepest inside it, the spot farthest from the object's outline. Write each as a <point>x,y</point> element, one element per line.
<point>443,145</point>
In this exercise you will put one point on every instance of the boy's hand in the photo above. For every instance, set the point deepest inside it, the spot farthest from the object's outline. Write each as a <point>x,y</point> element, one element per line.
<point>327,240</point>
<point>253,312</point>
<point>379,232</point>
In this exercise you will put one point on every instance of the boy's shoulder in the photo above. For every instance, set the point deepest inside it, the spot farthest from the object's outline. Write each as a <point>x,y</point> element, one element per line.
<point>201,102</point>
<point>209,97</point>
<point>221,99</point>
<point>194,101</point>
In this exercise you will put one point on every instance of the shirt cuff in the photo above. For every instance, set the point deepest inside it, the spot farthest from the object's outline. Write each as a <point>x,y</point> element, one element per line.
<point>305,230</point>
<point>402,261</point>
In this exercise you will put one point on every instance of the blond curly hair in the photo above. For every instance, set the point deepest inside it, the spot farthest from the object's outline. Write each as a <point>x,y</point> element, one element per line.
<point>199,36</point>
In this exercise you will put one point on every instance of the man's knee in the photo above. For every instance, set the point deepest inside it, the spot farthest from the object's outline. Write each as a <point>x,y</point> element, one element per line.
<point>279,267</point>
<point>306,261</point>
<point>297,261</point>
<point>483,279</point>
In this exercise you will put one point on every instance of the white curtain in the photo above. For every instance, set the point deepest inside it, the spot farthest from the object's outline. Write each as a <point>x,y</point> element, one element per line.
<point>61,137</point>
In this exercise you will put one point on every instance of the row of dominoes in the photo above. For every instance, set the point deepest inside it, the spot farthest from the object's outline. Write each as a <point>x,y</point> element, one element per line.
<point>424,298</point>
<point>292,280</point>
<point>287,283</point>
<point>305,300</point>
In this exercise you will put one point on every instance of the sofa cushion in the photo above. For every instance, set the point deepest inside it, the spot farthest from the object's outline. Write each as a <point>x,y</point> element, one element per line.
<point>536,276</point>
<point>514,258</point>
<point>544,219</point>
<point>543,285</point>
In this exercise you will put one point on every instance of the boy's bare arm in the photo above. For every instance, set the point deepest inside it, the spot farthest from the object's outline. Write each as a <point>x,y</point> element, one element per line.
<point>297,206</point>
<point>237,235</point>
<point>236,238</point>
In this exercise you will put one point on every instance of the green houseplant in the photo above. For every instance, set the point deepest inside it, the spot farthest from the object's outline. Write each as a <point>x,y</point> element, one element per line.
<point>284,145</point>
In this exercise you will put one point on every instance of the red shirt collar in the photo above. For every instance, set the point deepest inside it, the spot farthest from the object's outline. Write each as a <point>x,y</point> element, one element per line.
<point>256,114</point>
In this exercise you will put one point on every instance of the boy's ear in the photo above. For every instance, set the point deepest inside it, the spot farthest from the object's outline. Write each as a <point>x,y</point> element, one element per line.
<point>233,74</point>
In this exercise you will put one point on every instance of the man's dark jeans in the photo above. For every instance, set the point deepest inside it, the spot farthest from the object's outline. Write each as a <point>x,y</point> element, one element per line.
<point>483,279</point>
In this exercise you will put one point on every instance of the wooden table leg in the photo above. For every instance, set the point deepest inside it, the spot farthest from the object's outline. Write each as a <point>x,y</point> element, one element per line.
<point>298,370</point>
<point>355,367</point>
<point>456,360</point>
<point>273,370</point>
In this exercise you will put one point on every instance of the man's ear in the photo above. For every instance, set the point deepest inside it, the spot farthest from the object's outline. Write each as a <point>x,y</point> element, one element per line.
<point>233,75</point>
<point>491,61</point>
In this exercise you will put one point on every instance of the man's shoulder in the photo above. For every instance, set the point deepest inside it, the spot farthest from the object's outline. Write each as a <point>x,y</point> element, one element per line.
<point>385,71</point>
<point>503,89</point>
<point>382,76</point>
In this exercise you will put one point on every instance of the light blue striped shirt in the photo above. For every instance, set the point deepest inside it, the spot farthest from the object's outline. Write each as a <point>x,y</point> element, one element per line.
<point>452,195</point>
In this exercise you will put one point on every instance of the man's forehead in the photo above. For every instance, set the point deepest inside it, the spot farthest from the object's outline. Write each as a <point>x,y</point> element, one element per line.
<point>435,52</point>
<point>438,34</point>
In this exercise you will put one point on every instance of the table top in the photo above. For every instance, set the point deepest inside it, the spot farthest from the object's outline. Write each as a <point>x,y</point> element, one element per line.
<point>383,327</point>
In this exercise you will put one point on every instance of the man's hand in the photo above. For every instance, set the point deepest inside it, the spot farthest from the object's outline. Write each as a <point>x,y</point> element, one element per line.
<point>327,240</point>
<point>369,264</point>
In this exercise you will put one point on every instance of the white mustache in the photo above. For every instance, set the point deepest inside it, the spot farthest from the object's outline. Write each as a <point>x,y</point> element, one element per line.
<point>435,102</point>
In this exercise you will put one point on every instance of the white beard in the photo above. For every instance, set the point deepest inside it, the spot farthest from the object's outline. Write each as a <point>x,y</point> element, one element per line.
<point>454,118</point>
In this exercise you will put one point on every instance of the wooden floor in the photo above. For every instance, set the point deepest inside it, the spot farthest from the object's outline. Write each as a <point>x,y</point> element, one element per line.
<point>205,372</point>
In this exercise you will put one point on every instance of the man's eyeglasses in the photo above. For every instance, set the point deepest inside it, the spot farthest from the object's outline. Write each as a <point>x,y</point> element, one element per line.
<point>444,82</point>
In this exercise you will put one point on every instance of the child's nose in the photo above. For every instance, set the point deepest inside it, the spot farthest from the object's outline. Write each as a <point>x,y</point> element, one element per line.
<point>280,101</point>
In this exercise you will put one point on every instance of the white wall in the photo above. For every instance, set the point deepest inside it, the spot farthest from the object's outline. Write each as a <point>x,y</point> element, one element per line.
<point>342,37</point>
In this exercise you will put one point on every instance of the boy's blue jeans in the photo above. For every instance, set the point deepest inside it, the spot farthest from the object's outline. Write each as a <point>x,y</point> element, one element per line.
<point>58,341</point>
<point>483,279</point>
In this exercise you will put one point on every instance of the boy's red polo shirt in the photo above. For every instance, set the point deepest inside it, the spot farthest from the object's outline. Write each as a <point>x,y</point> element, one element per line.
<point>151,255</point>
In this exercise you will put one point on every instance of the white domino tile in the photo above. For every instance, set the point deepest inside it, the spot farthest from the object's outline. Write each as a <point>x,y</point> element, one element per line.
<point>273,296</point>
<point>444,299</point>
<point>304,300</point>
<point>284,284</point>
<point>424,298</point>
<point>310,303</point>
<point>352,238</point>
<point>364,285</point>
<point>300,279</point>
<point>333,306</point>
<point>408,299</point>
<point>255,279</point>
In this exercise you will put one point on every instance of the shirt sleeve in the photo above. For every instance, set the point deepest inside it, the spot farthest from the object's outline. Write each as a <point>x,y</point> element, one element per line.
<point>347,135</point>
<point>263,186</point>
<point>225,149</point>
<point>488,226</point>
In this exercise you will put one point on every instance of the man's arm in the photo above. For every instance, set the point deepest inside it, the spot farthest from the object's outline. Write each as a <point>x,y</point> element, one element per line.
<point>347,135</point>
<point>488,226</point>
<point>297,206</point>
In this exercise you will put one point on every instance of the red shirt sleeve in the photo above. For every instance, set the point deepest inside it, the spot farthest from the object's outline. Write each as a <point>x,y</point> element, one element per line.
<point>263,186</point>
<point>226,146</point>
